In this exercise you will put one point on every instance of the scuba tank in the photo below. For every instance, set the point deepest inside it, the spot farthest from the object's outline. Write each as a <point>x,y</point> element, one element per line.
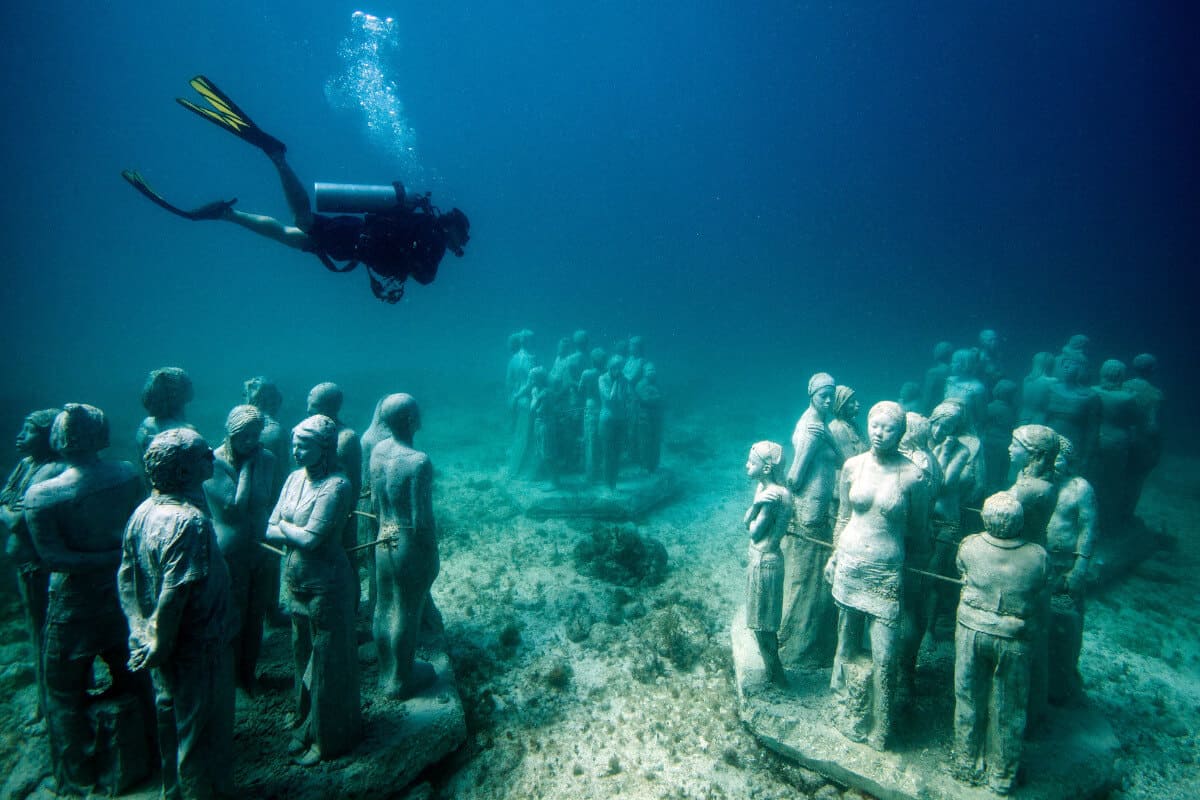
<point>360,198</point>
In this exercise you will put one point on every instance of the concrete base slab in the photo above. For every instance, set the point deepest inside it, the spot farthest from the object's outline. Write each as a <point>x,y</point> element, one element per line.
<point>633,496</point>
<point>1073,756</point>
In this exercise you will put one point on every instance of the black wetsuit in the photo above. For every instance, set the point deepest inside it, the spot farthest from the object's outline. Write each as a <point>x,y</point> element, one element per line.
<point>395,246</point>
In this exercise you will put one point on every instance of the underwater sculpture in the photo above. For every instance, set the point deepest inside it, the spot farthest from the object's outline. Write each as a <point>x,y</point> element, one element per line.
<point>1035,390</point>
<point>990,369</point>
<point>517,372</point>
<point>309,518</point>
<point>532,455</point>
<point>77,521</point>
<point>38,463</point>
<point>767,520</point>
<point>1120,418</point>
<point>997,429</point>
<point>918,551</point>
<point>808,631</point>
<point>843,425</point>
<point>1073,409</point>
<point>401,481</point>
<point>615,395</point>
<point>165,396</point>
<point>175,592</point>
<point>1079,348</point>
<point>1147,441</point>
<point>1033,453</point>
<point>884,504</point>
<point>1070,539</point>
<point>264,395</point>
<point>326,399</point>
<point>999,617</point>
<point>648,423</point>
<point>589,392</point>
<point>945,521</point>
<point>240,499</point>
<point>963,384</point>
<point>910,398</point>
<point>933,387</point>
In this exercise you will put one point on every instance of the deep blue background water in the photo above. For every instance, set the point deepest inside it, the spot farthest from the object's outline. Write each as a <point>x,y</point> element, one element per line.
<point>761,190</point>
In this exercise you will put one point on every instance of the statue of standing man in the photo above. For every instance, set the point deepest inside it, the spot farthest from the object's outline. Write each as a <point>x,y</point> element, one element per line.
<point>406,558</point>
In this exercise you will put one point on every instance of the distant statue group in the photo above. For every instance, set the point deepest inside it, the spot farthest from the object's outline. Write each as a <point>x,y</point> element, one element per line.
<point>858,548</point>
<point>587,414</point>
<point>168,573</point>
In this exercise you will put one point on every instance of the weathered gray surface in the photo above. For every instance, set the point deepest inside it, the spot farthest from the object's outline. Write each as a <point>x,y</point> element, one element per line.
<point>1074,757</point>
<point>633,497</point>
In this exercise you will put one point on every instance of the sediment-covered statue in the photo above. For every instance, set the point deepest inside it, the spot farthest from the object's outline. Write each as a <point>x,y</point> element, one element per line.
<point>933,388</point>
<point>648,424</point>
<point>175,591</point>
<point>77,521</point>
<point>1070,540</point>
<point>615,397</point>
<point>401,480</point>
<point>308,519</point>
<point>1120,418</point>
<point>808,632</point>
<point>767,520</point>
<point>1073,409</point>
<point>165,396</point>
<point>1147,441</point>
<point>883,505</point>
<point>240,498</point>
<point>999,614</point>
<point>326,399</point>
<point>38,462</point>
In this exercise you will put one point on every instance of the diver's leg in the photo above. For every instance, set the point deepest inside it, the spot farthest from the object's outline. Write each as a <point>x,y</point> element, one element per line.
<point>293,191</point>
<point>269,227</point>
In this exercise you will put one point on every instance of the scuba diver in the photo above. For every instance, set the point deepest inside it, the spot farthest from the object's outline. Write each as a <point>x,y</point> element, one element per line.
<point>392,233</point>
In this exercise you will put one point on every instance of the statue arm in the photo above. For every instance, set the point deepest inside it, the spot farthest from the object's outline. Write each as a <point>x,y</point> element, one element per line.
<point>423,497</point>
<point>328,515</point>
<point>162,628</point>
<point>52,547</point>
<point>763,521</point>
<point>843,515</point>
<point>1086,520</point>
<point>803,442</point>
<point>920,508</point>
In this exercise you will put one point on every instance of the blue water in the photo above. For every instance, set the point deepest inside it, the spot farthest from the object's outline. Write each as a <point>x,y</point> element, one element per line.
<point>760,190</point>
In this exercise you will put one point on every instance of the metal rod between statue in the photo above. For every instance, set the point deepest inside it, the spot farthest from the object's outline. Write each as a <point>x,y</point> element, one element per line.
<point>921,572</point>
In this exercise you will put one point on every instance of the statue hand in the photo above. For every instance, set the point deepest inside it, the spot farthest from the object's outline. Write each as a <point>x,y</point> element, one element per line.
<point>144,657</point>
<point>1074,581</point>
<point>830,567</point>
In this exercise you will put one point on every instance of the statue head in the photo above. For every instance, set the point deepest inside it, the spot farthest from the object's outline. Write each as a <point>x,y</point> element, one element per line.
<point>845,403</point>
<point>538,376</point>
<point>1112,374</point>
<point>401,415</point>
<point>764,460</point>
<point>946,419</point>
<point>942,351</point>
<point>1071,368</point>
<point>178,461</point>
<point>1042,366</point>
<point>325,398</point>
<point>821,391</point>
<point>79,430</point>
<point>314,442</point>
<point>564,347</point>
<point>1065,461</point>
<point>1079,343</point>
<point>243,429</point>
<point>33,440</point>
<point>166,392</point>
<point>1144,366</point>
<point>1005,391</point>
<point>964,362</point>
<point>599,358</point>
<point>615,364</point>
<point>1033,449</point>
<point>910,392</point>
<point>1003,516</point>
<point>514,342</point>
<point>916,432</point>
<point>886,424</point>
<point>580,339</point>
<point>263,395</point>
<point>989,340</point>
<point>636,346</point>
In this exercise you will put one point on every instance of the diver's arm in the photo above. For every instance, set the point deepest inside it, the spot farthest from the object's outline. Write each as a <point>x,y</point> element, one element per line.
<point>271,228</point>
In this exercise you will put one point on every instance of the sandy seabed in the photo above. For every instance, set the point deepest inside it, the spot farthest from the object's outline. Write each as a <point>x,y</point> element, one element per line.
<point>576,688</point>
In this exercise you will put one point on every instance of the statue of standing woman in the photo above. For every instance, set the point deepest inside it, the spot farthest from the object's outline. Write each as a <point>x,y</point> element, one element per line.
<point>406,558</point>
<point>884,503</point>
<point>808,630</point>
<point>767,520</point>
<point>308,519</point>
